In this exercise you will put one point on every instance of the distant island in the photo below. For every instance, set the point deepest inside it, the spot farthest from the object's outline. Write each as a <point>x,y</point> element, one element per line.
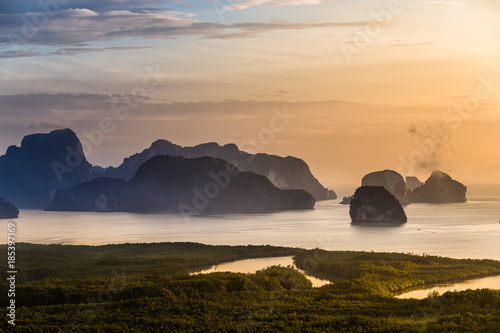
<point>45,166</point>
<point>284,172</point>
<point>176,184</point>
<point>50,171</point>
<point>391,181</point>
<point>44,163</point>
<point>8,210</point>
<point>438,188</point>
<point>383,194</point>
<point>375,204</point>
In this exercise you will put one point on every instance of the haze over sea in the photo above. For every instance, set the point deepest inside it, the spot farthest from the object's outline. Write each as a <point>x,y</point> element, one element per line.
<point>465,230</point>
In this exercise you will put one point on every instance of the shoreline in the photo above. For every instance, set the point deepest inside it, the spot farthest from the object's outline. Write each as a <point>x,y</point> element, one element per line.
<point>239,253</point>
<point>431,284</point>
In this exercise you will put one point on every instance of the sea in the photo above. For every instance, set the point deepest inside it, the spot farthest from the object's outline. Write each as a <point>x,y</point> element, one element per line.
<point>459,230</point>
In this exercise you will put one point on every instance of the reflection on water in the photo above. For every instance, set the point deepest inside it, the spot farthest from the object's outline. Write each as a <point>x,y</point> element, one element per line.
<point>377,224</point>
<point>488,282</point>
<point>253,265</point>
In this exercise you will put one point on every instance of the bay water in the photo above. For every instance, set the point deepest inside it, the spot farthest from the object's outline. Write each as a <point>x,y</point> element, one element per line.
<point>460,230</point>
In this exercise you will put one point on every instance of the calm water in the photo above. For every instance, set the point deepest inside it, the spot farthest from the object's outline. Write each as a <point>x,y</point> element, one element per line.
<point>489,282</point>
<point>253,265</point>
<point>467,230</point>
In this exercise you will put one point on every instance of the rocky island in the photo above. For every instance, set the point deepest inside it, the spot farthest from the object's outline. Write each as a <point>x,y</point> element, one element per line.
<point>376,204</point>
<point>391,181</point>
<point>176,184</point>
<point>413,182</point>
<point>8,210</point>
<point>284,172</point>
<point>439,188</point>
<point>346,200</point>
<point>44,163</point>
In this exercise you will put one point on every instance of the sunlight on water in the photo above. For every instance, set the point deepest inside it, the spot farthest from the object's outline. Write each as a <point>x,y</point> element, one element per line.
<point>253,265</point>
<point>489,282</point>
<point>466,230</point>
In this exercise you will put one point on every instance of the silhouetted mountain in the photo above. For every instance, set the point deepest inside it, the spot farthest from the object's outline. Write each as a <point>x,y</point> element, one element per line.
<point>412,183</point>
<point>167,183</point>
<point>376,204</point>
<point>439,188</point>
<point>8,210</point>
<point>346,200</point>
<point>391,181</point>
<point>44,163</point>
<point>284,172</point>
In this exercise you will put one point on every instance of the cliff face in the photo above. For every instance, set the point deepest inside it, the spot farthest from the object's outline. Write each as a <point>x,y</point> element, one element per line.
<point>375,204</point>
<point>439,188</point>
<point>8,210</point>
<point>44,163</point>
<point>180,185</point>
<point>99,195</point>
<point>283,172</point>
<point>391,181</point>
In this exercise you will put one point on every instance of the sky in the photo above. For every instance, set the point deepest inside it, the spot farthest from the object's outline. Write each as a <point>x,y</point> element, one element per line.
<point>350,86</point>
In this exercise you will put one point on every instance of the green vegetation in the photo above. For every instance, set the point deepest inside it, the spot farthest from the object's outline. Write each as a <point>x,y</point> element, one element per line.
<point>146,288</point>
<point>391,272</point>
<point>69,262</point>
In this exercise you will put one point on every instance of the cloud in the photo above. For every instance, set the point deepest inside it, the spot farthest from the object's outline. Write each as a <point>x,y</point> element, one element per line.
<point>67,51</point>
<point>32,6</point>
<point>444,4</point>
<point>19,54</point>
<point>86,106</point>
<point>78,50</point>
<point>255,29</point>
<point>411,44</point>
<point>77,26</point>
<point>74,26</point>
<point>48,125</point>
<point>40,106</point>
<point>268,92</point>
<point>244,4</point>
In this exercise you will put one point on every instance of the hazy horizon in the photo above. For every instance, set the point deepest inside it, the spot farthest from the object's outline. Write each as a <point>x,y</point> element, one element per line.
<point>343,187</point>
